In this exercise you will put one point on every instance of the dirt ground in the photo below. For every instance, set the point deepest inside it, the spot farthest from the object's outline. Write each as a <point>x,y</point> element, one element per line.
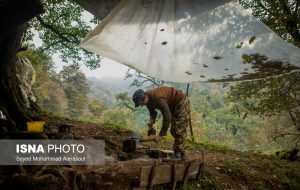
<point>223,168</point>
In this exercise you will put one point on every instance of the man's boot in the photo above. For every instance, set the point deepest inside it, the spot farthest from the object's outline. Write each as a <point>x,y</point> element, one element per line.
<point>178,156</point>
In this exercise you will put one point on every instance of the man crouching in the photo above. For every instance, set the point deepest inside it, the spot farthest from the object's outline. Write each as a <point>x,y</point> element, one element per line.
<point>175,108</point>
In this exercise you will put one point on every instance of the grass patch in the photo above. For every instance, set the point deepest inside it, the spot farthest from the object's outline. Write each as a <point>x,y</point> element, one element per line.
<point>233,164</point>
<point>289,177</point>
<point>116,128</point>
<point>205,182</point>
<point>194,145</point>
<point>264,174</point>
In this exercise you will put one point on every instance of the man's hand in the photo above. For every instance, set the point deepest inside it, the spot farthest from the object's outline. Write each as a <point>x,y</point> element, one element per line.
<point>150,124</point>
<point>157,138</point>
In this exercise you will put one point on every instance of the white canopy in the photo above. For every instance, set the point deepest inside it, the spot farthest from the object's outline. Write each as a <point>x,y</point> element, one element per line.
<point>192,40</point>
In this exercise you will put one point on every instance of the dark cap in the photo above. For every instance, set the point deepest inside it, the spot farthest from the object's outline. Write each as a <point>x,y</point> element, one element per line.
<point>138,97</point>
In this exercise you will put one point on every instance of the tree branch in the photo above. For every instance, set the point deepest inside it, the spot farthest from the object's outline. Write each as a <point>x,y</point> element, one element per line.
<point>129,107</point>
<point>296,9</point>
<point>61,15</point>
<point>264,8</point>
<point>52,44</point>
<point>291,22</point>
<point>285,7</point>
<point>77,41</point>
<point>149,79</point>
<point>54,30</point>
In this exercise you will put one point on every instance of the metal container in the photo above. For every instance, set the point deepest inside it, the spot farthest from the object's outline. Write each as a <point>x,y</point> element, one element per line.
<point>154,154</point>
<point>35,126</point>
<point>151,132</point>
<point>129,145</point>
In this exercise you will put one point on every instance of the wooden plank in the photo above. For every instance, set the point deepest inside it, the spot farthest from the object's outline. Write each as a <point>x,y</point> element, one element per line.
<point>139,188</point>
<point>193,170</point>
<point>166,153</point>
<point>145,175</point>
<point>164,173</point>
<point>152,176</point>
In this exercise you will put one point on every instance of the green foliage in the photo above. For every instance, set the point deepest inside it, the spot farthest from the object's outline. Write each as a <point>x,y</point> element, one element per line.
<point>246,58</point>
<point>62,28</point>
<point>205,182</point>
<point>39,58</point>
<point>281,16</point>
<point>277,97</point>
<point>106,89</point>
<point>76,89</point>
<point>118,119</point>
<point>215,118</point>
<point>269,96</point>
<point>123,100</point>
<point>209,146</point>
<point>219,121</point>
<point>96,107</point>
<point>254,172</point>
<point>50,95</point>
<point>272,97</point>
<point>204,100</point>
<point>73,77</point>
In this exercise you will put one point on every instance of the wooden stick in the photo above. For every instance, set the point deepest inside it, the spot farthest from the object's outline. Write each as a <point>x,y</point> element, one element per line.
<point>191,129</point>
<point>174,180</point>
<point>146,140</point>
<point>190,120</point>
<point>200,171</point>
<point>186,172</point>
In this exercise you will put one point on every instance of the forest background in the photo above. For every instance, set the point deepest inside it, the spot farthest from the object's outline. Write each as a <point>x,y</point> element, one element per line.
<point>261,115</point>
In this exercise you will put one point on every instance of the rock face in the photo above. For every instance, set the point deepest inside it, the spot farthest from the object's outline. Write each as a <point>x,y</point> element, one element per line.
<point>13,17</point>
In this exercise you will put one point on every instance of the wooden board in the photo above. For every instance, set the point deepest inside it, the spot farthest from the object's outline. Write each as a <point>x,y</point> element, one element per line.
<point>163,173</point>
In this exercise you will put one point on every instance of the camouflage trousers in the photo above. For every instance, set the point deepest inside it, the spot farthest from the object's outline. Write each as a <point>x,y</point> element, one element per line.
<point>179,125</point>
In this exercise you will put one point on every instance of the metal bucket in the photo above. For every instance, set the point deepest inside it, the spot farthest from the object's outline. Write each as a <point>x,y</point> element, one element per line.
<point>154,154</point>
<point>129,145</point>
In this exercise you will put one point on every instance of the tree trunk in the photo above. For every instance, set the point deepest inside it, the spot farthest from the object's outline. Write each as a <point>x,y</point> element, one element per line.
<point>14,15</point>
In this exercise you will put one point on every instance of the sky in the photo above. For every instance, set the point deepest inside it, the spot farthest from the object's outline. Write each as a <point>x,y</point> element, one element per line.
<point>108,68</point>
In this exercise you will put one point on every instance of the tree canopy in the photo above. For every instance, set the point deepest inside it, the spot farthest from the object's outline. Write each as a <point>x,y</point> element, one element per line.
<point>61,28</point>
<point>76,89</point>
<point>282,16</point>
<point>277,96</point>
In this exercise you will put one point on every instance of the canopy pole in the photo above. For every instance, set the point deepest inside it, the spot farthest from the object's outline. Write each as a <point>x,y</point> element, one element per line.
<point>190,119</point>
